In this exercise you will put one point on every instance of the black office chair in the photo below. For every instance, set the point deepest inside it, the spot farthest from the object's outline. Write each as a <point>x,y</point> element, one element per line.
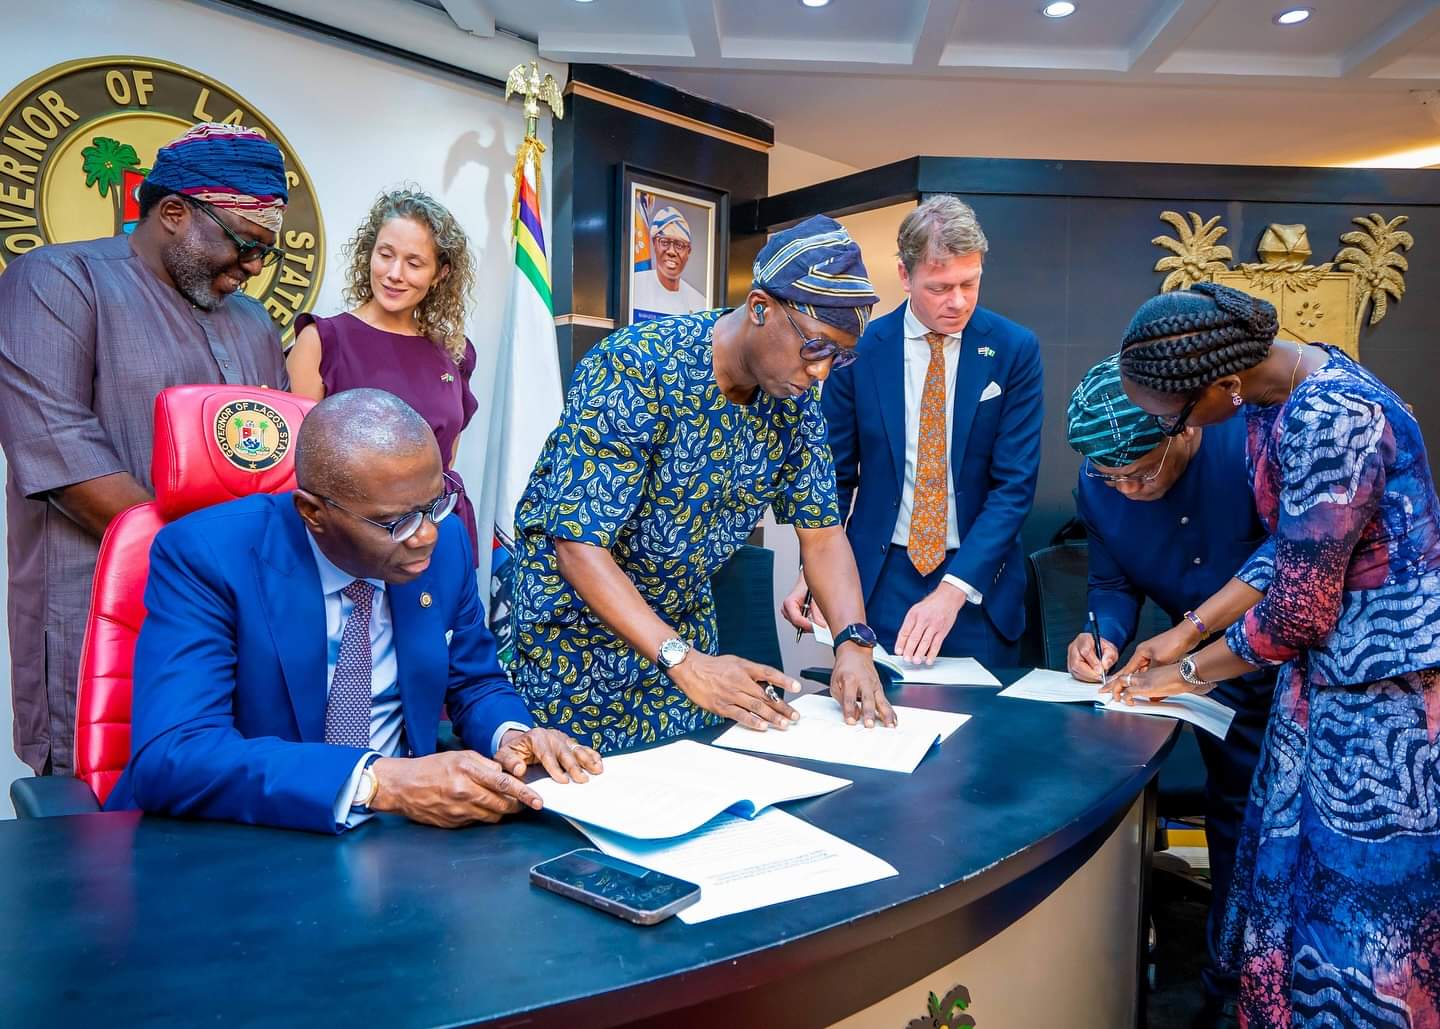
<point>744,593</point>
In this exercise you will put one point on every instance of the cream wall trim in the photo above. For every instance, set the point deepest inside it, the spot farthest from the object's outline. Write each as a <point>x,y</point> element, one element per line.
<point>604,96</point>
<point>585,321</point>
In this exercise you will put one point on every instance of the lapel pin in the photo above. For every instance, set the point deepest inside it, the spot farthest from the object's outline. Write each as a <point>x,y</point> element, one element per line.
<point>447,377</point>
<point>986,351</point>
<point>426,600</point>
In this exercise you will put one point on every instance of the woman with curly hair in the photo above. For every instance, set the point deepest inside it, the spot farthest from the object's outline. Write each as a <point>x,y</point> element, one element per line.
<point>409,279</point>
<point>1334,915</point>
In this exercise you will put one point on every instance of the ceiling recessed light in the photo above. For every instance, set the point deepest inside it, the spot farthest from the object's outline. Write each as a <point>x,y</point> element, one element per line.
<point>1294,16</point>
<point>814,3</point>
<point>1059,9</point>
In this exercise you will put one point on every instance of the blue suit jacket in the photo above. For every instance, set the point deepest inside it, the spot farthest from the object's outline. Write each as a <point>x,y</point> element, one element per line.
<point>230,669</point>
<point>994,453</point>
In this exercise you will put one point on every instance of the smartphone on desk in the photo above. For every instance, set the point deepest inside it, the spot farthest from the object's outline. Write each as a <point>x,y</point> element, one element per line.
<point>625,890</point>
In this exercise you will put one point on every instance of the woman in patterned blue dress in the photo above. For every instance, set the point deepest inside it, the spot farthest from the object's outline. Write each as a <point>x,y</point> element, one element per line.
<point>1334,917</point>
<point>676,436</point>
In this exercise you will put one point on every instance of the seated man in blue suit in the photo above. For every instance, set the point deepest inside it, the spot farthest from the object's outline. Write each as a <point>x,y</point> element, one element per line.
<point>935,431</point>
<point>298,648</point>
<point>1172,519</point>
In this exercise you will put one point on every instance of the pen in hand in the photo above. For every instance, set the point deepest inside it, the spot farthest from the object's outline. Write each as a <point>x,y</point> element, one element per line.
<point>1099,649</point>
<point>804,613</point>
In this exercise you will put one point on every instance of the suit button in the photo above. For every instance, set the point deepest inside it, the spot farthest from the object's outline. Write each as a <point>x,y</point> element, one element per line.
<point>1184,519</point>
<point>1197,560</point>
<point>882,548</point>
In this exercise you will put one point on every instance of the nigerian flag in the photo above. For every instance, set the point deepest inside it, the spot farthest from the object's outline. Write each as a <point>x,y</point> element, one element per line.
<point>528,396</point>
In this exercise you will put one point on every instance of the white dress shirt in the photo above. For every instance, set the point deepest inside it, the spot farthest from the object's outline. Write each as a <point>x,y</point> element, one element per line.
<point>387,721</point>
<point>917,366</point>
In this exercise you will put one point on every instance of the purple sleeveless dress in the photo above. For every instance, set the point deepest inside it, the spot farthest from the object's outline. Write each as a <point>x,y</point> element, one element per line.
<point>354,354</point>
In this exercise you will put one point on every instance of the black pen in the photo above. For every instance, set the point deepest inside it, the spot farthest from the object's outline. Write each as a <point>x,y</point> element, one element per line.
<point>804,613</point>
<point>1099,649</point>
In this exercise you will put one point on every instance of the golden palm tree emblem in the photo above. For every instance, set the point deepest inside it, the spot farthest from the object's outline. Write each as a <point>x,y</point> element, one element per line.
<point>1196,253</point>
<point>1374,258</point>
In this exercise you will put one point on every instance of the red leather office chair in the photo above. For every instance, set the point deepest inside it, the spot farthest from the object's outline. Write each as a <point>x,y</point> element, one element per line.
<point>213,443</point>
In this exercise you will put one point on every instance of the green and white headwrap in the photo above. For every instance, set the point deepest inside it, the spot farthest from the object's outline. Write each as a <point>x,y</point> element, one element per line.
<point>1104,425</point>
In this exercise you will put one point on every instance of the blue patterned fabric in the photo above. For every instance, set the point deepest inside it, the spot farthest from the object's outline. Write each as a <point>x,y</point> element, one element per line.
<point>652,462</point>
<point>1334,917</point>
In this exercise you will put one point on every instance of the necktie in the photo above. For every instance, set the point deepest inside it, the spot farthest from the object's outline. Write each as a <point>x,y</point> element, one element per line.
<point>347,711</point>
<point>928,507</point>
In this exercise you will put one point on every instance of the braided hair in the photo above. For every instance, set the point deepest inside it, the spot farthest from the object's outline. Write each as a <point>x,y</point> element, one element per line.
<point>1183,341</point>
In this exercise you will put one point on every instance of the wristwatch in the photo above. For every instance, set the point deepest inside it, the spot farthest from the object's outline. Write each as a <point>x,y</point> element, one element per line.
<point>859,633</point>
<point>1188,673</point>
<point>368,786</point>
<point>672,652</point>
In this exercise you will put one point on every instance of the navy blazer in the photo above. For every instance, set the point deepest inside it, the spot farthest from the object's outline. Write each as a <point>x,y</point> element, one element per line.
<point>994,453</point>
<point>229,699</point>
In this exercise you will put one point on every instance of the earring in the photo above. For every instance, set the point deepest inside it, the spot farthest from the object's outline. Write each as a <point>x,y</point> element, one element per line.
<point>1235,399</point>
<point>759,310</point>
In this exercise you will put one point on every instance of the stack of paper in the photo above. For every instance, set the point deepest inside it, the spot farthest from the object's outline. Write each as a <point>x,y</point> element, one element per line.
<point>1195,708</point>
<point>674,789</point>
<point>946,671</point>
<point>741,865</point>
<point>822,735</point>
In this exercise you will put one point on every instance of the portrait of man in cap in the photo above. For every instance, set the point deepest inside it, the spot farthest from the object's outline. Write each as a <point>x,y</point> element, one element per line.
<point>664,280</point>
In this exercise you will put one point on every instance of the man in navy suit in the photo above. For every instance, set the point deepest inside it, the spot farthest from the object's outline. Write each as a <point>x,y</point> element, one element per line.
<point>935,431</point>
<point>298,648</point>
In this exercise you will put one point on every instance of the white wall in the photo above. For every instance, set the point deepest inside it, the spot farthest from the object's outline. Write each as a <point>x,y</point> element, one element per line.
<point>874,231</point>
<point>360,123</point>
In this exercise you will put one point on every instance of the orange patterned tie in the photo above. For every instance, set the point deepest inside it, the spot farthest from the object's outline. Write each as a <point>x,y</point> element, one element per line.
<point>927,508</point>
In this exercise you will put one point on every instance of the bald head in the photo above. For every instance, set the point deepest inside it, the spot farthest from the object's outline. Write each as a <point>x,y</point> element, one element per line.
<point>348,438</point>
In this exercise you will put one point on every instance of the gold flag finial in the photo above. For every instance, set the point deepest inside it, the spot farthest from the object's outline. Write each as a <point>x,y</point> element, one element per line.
<point>534,88</point>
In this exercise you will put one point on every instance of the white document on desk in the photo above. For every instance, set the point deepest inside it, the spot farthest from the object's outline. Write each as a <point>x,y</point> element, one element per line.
<point>822,735</point>
<point>671,790</point>
<point>742,864</point>
<point>1059,687</point>
<point>946,671</point>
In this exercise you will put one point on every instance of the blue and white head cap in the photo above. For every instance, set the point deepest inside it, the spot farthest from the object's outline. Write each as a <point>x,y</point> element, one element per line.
<point>816,268</point>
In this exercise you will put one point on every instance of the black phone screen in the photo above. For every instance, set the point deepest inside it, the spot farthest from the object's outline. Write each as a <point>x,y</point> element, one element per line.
<point>630,885</point>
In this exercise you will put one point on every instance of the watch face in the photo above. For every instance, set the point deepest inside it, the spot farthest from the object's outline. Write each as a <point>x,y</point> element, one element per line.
<point>672,652</point>
<point>858,633</point>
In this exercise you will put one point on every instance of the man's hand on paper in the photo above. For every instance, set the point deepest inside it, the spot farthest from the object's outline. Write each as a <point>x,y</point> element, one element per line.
<point>734,688</point>
<point>928,623</point>
<point>793,608</point>
<point>1080,658</point>
<point>562,758</point>
<point>449,790</point>
<point>855,685</point>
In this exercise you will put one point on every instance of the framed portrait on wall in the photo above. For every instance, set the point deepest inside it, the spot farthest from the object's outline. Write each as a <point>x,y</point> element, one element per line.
<point>675,242</point>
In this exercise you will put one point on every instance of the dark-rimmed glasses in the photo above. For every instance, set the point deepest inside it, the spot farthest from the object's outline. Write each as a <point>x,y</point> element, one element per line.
<point>408,524</point>
<point>818,348</point>
<point>666,244</point>
<point>1139,479</point>
<point>1175,425</point>
<point>246,249</point>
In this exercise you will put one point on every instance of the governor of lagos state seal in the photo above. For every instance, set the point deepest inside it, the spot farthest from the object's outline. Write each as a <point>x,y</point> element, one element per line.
<point>77,139</point>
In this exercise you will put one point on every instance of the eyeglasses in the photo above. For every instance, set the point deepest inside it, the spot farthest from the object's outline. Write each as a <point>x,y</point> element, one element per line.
<point>1139,479</point>
<point>407,525</point>
<point>819,348</point>
<point>1174,425</point>
<point>246,249</point>
<point>668,245</point>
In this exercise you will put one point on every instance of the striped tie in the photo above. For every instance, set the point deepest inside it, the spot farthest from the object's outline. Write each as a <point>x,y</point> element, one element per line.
<point>347,711</point>
<point>928,506</point>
